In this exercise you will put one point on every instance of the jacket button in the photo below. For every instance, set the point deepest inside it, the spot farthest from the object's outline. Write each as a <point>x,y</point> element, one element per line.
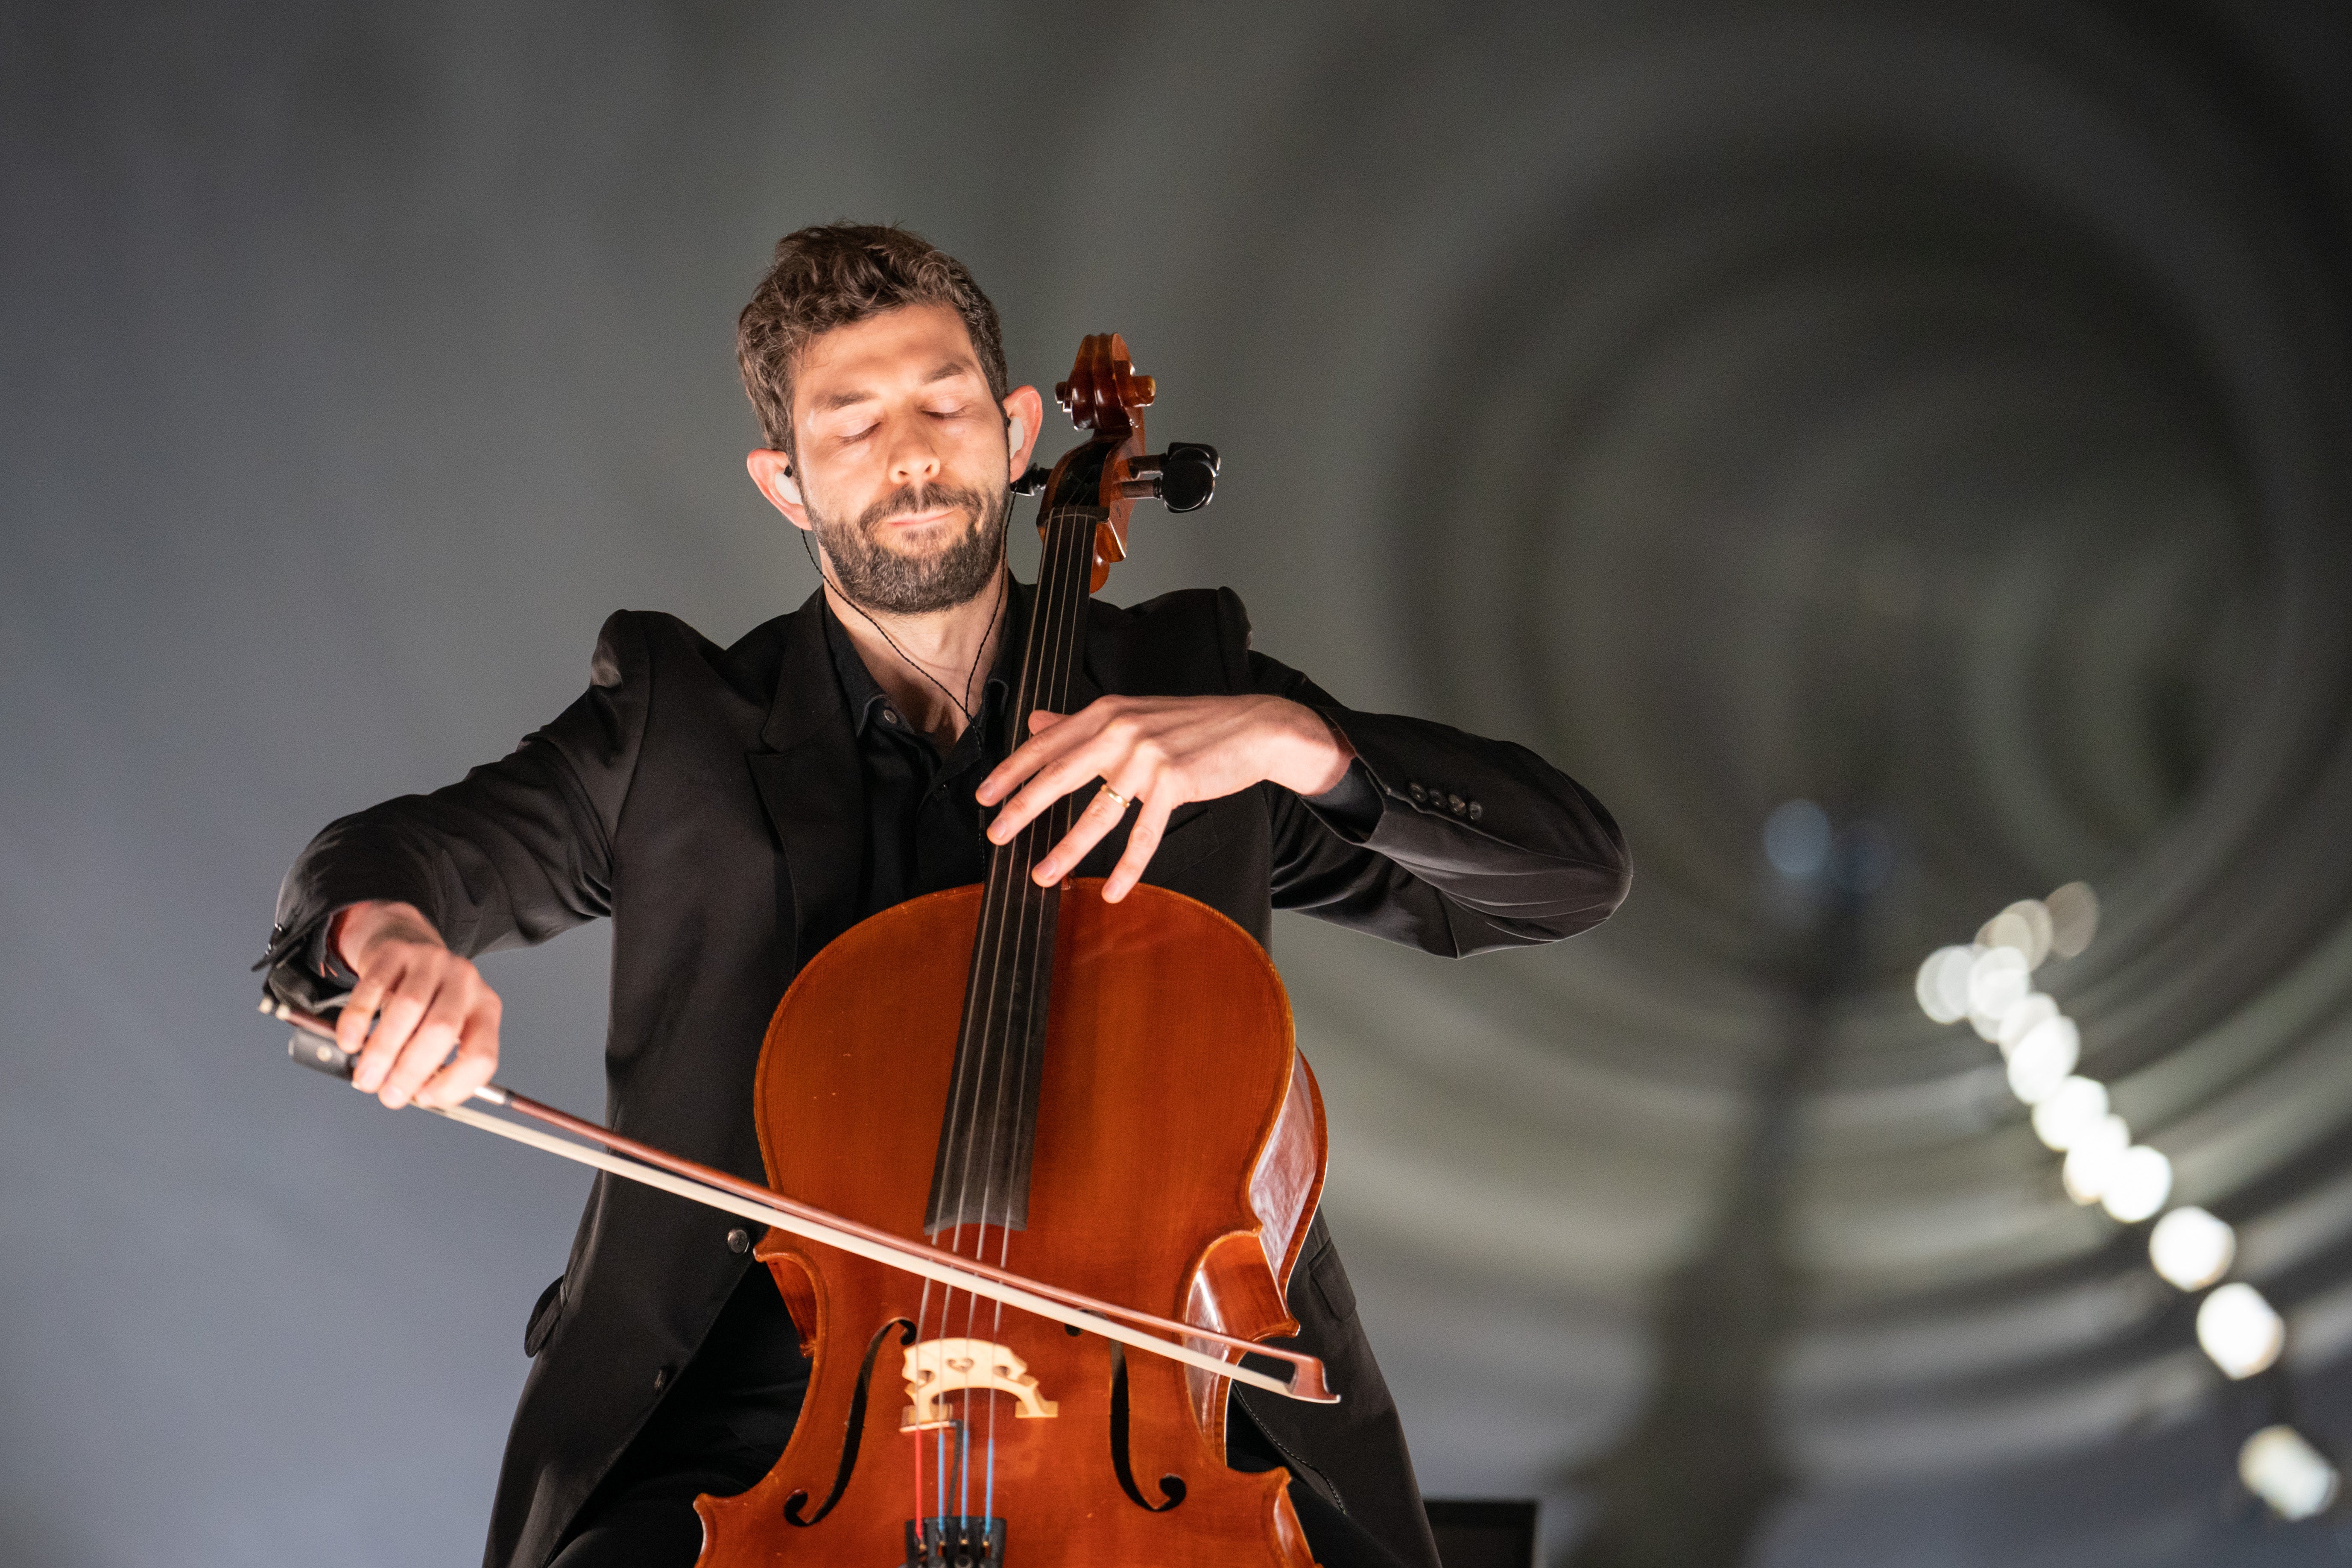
<point>661,1380</point>
<point>1456,804</point>
<point>739,1240</point>
<point>1476,811</point>
<point>1419,795</point>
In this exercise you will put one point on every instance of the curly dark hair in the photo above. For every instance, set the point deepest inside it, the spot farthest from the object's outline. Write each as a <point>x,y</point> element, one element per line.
<point>833,274</point>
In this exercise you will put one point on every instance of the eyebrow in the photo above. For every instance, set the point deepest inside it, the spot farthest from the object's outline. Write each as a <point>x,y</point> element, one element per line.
<point>945,370</point>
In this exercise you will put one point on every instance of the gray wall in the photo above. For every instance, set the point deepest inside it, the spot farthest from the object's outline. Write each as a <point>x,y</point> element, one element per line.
<point>1938,413</point>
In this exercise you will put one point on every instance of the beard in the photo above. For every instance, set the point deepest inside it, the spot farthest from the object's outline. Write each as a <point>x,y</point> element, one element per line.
<point>879,578</point>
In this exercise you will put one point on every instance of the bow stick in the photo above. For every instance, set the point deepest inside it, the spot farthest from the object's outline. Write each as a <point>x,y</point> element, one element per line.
<point>716,1189</point>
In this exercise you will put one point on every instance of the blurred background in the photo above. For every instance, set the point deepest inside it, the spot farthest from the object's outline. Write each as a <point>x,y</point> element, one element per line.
<point>1897,456</point>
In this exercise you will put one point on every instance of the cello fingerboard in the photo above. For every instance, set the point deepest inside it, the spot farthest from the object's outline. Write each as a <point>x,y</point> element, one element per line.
<point>981,1174</point>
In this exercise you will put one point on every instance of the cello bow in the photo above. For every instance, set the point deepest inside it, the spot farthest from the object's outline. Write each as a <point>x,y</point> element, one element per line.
<point>642,1162</point>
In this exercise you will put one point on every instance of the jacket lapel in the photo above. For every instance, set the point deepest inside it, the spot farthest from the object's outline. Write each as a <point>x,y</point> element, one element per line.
<point>809,785</point>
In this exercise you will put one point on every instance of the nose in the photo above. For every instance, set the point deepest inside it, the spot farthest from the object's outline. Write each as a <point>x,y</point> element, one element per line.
<point>914,460</point>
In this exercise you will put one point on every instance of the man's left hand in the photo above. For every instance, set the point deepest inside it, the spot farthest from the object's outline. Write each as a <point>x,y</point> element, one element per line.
<point>1160,753</point>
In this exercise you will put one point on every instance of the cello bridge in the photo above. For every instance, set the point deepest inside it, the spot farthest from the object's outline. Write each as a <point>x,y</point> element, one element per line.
<point>937,1368</point>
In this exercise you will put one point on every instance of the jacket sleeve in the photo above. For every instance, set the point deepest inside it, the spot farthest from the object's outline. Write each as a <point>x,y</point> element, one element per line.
<point>1459,844</point>
<point>514,852</point>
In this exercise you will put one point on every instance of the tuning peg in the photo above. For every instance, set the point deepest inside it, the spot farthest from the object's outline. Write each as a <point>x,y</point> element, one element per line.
<point>1184,476</point>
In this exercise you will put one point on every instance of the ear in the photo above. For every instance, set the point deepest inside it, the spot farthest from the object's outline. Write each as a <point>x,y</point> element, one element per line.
<point>772,472</point>
<point>1024,421</point>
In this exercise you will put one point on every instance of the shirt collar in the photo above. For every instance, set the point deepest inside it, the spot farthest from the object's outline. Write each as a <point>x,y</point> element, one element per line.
<point>865,694</point>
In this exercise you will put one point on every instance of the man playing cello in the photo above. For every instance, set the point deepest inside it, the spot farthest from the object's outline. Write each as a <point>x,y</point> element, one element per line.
<point>734,809</point>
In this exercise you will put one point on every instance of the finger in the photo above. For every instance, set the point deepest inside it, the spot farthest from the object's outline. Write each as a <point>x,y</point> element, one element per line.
<point>1142,842</point>
<point>396,1018</point>
<point>358,1012</point>
<point>1109,752</point>
<point>429,1044</point>
<point>1051,784</point>
<point>1094,824</point>
<point>471,1067</point>
<point>1026,758</point>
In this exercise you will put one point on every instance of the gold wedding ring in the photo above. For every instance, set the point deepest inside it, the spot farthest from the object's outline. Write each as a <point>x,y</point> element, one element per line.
<point>1122,801</point>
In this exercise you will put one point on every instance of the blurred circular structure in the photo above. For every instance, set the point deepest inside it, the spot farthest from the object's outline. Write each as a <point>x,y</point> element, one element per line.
<point>1938,417</point>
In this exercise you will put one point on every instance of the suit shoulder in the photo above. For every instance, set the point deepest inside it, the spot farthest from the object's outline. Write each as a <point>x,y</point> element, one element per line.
<point>1186,611</point>
<point>1192,639</point>
<point>754,663</point>
<point>643,642</point>
<point>631,641</point>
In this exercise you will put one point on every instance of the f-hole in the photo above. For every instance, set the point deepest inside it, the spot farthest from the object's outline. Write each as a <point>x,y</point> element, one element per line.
<point>1171,1487</point>
<point>856,1429</point>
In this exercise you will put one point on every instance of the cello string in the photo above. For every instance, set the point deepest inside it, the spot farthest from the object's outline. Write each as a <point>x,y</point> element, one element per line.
<point>1015,862</point>
<point>1077,560</point>
<point>920,1313</point>
<point>988,934</point>
<point>1023,962</point>
<point>1010,902</point>
<point>957,1091</point>
<point>991,1091</point>
<point>1049,660</point>
<point>1054,644</point>
<point>964,707</point>
<point>974,1044</point>
<point>1003,905</point>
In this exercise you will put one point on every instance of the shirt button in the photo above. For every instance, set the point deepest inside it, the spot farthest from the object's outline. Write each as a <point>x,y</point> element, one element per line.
<point>739,1240</point>
<point>890,716</point>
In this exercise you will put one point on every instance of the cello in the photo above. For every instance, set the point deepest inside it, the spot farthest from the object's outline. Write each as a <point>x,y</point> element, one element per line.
<point>1105,1096</point>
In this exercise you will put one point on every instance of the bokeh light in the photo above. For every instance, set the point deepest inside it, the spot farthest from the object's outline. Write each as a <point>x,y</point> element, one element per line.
<point>2279,1466</point>
<point>2240,1329</point>
<point>1943,985</point>
<point>2043,1059</point>
<point>2026,925</point>
<point>2034,1009</point>
<point>2068,1112</point>
<point>1797,839</point>
<point>2191,1248</point>
<point>1998,981</point>
<point>2138,1185</point>
<point>2074,919</point>
<point>2092,1162</point>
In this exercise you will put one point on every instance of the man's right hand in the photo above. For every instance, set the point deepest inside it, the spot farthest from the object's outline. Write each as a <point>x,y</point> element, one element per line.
<point>425,1000</point>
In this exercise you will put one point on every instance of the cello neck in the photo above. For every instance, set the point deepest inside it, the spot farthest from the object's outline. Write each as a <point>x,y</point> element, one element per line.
<point>980,1175</point>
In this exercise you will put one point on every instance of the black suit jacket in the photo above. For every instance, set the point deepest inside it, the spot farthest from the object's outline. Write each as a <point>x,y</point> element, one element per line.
<point>708,802</point>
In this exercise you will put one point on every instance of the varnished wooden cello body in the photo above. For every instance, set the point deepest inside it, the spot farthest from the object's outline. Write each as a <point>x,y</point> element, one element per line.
<point>1107,1096</point>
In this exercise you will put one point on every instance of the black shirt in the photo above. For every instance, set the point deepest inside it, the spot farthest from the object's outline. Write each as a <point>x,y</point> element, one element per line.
<point>923,824</point>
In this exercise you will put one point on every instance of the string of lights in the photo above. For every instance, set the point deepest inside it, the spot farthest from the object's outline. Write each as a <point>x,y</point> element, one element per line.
<point>1989,984</point>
